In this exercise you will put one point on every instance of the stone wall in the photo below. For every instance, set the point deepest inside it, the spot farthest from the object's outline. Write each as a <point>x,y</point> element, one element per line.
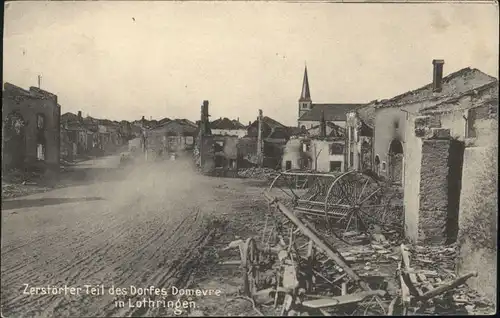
<point>433,210</point>
<point>433,168</point>
<point>477,237</point>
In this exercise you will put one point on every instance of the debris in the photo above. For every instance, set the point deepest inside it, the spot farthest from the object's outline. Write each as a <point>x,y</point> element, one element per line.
<point>446,287</point>
<point>342,300</point>
<point>258,173</point>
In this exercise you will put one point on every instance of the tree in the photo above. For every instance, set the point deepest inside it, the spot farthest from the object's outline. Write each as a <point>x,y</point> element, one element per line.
<point>316,155</point>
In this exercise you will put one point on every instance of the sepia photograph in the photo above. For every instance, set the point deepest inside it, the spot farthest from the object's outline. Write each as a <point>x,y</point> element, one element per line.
<point>249,158</point>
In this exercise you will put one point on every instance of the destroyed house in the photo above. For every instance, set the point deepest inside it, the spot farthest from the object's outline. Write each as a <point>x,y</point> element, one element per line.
<point>451,179</point>
<point>30,128</point>
<point>174,135</point>
<point>391,115</point>
<point>227,127</point>
<point>274,137</point>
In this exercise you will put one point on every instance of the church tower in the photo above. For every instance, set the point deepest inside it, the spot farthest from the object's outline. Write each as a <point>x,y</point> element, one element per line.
<point>305,102</point>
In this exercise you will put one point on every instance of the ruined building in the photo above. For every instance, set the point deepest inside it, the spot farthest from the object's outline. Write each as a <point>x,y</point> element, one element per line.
<point>454,168</point>
<point>359,139</point>
<point>316,151</point>
<point>204,150</point>
<point>227,127</point>
<point>264,142</point>
<point>30,129</point>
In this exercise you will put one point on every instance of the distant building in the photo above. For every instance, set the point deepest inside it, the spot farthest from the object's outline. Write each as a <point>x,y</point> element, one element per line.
<point>226,127</point>
<point>274,136</point>
<point>172,136</point>
<point>30,128</point>
<point>316,151</point>
<point>314,154</point>
<point>310,113</point>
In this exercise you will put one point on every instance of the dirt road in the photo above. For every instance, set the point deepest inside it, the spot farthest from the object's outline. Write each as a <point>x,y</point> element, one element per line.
<point>138,227</point>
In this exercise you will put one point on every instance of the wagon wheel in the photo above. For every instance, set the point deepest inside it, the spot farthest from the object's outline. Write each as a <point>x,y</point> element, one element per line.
<point>250,263</point>
<point>349,194</point>
<point>389,214</point>
<point>322,274</point>
<point>285,186</point>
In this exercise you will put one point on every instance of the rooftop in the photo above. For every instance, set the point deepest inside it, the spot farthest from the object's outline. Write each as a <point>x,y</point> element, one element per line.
<point>453,84</point>
<point>447,104</point>
<point>226,123</point>
<point>333,112</point>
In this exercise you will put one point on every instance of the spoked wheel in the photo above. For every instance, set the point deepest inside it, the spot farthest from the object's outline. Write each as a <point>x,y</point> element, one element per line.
<point>390,213</point>
<point>285,186</point>
<point>250,264</point>
<point>350,196</point>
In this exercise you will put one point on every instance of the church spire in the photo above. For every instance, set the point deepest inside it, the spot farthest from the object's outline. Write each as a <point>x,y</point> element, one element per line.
<point>305,95</point>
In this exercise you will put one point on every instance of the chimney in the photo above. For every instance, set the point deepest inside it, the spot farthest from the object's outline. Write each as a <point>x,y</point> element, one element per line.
<point>260,146</point>
<point>205,106</point>
<point>322,125</point>
<point>437,76</point>
<point>79,114</point>
<point>204,118</point>
<point>249,123</point>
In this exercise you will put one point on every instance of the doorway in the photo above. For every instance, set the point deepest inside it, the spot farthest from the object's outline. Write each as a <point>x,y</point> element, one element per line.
<point>396,161</point>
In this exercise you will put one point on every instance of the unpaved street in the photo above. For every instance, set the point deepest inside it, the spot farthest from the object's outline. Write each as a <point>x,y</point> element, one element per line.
<point>139,226</point>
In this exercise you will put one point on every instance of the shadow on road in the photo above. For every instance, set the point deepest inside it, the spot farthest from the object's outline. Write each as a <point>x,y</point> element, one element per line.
<point>29,203</point>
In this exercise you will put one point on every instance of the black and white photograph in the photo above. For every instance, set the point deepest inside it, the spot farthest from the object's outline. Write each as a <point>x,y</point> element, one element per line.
<point>249,158</point>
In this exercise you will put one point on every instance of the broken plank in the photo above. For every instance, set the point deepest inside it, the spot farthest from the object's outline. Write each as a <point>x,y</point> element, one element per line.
<point>406,260</point>
<point>342,300</point>
<point>344,288</point>
<point>447,286</point>
<point>405,292</point>
<point>390,311</point>
<point>232,262</point>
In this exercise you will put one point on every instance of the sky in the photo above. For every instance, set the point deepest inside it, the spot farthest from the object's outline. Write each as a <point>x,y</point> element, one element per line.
<point>125,60</point>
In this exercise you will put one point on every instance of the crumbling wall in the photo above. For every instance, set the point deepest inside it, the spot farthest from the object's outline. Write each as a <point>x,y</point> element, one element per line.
<point>207,154</point>
<point>366,153</point>
<point>432,182</point>
<point>292,153</point>
<point>433,211</point>
<point>477,237</point>
<point>30,104</point>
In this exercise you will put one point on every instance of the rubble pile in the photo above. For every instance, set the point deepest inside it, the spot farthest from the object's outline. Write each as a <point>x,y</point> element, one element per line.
<point>17,183</point>
<point>12,190</point>
<point>438,258</point>
<point>257,173</point>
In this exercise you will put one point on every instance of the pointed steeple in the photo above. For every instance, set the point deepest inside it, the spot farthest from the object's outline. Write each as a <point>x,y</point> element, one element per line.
<point>305,95</point>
